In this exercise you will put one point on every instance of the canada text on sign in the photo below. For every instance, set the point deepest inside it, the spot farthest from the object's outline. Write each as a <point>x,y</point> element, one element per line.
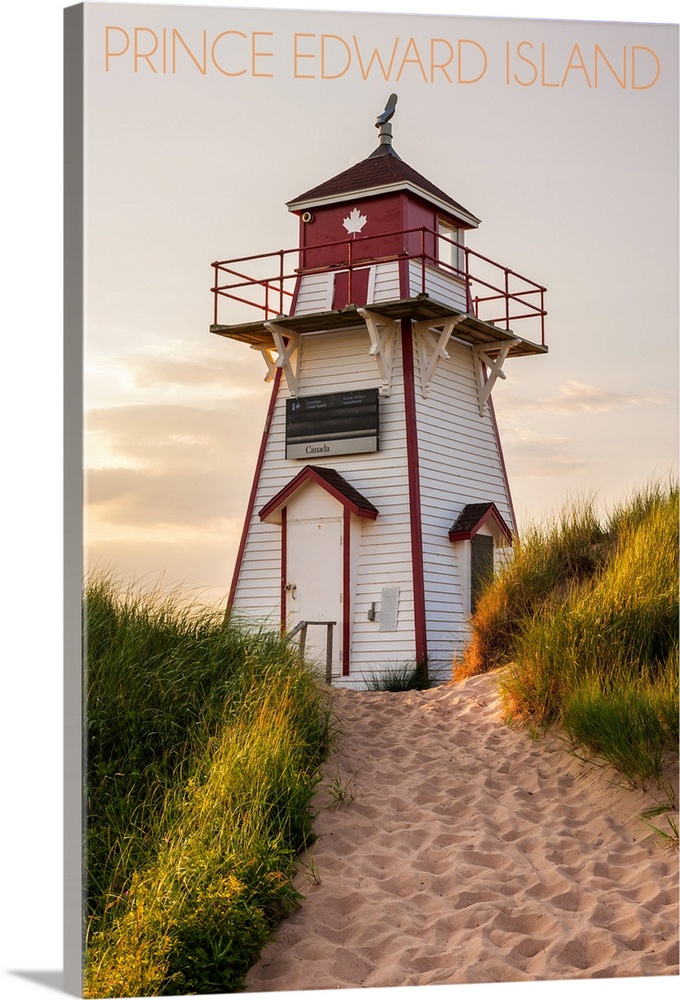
<point>337,423</point>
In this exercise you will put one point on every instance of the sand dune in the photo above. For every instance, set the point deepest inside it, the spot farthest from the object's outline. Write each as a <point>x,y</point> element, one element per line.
<point>471,854</point>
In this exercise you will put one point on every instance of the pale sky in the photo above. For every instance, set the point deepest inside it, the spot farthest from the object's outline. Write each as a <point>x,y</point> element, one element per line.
<point>573,175</point>
<point>615,447</point>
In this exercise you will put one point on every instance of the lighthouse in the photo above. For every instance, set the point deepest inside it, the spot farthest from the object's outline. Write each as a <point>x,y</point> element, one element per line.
<point>380,500</point>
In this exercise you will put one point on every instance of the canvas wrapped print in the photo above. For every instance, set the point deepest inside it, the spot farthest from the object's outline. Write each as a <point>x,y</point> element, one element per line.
<point>377,316</point>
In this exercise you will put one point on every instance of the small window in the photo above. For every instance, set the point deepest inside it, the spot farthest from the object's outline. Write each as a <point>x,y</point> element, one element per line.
<point>481,566</point>
<point>450,246</point>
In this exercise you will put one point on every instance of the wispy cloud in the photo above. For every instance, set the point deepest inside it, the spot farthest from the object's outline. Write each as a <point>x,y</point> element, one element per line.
<point>166,465</point>
<point>579,397</point>
<point>188,373</point>
<point>158,498</point>
<point>537,456</point>
<point>176,373</point>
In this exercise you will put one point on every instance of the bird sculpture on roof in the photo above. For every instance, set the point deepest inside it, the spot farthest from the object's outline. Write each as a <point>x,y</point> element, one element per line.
<point>390,108</point>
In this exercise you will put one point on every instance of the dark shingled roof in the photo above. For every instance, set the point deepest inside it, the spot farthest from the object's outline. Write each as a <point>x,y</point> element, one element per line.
<point>341,485</point>
<point>377,170</point>
<point>473,516</point>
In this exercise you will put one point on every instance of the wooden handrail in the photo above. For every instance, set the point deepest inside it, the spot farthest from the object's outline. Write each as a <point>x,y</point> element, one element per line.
<point>301,627</point>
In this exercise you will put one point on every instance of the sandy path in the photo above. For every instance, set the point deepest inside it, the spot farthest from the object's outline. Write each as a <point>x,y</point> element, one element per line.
<point>471,854</point>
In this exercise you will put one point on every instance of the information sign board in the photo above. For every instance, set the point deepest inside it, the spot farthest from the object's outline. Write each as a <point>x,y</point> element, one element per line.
<point>336,423</point>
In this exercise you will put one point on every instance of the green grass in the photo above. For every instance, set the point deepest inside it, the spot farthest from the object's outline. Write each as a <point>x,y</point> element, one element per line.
<point>586,620</point>
<point>205,742</point>
<point>547,560</point>
<point>402,677</point>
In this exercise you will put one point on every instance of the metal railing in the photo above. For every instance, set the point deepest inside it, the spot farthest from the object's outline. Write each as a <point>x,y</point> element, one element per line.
<point>493,292</point>
<point>301,628</point>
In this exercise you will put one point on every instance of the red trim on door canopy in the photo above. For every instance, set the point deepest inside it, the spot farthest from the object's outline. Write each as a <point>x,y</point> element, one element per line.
<point>253,489</point>
<point>346,590</point>
<point>284,567</point>
<point>414,493</point>
<point>473,517</point>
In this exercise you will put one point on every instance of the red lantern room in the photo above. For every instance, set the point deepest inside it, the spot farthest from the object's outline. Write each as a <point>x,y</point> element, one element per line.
<point>381,210</point>
<point>383,333</point>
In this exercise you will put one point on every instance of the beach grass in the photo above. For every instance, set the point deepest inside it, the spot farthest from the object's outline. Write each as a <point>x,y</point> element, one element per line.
<point>204,746</point>
<point>585,621</point>
<point>399,677</point>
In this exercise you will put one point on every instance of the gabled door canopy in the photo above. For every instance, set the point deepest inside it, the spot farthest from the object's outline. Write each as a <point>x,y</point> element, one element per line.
<point>327,479</point>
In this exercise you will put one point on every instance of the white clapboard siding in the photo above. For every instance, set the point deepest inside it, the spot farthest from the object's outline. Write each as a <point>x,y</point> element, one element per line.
<point>384,556</point>
<point>459,464</point>
<point>438,284</point>
<point>384,282</point>
<point>315,294</point>
<point>316,290</point>
<point>331,362</point>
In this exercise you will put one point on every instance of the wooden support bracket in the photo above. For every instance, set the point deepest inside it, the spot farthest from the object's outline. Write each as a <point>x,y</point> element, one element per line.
<point>439,333</point>
<point>269,360</point>
<point>382,332</point>
<point>289,347</point>
<point>487,380</point>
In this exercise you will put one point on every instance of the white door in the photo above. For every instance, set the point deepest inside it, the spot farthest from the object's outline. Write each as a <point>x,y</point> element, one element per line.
<point>314,584</point>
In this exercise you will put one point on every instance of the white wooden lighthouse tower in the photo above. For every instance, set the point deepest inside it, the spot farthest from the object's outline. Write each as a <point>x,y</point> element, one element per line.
<point>380,496</point>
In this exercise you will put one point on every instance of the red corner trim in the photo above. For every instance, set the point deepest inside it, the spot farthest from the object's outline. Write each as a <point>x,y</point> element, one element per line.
<point>414,492</point>
<point>346,590</point>
<point>503,468</point>
<point>253,489</point>
<point>404,280</point>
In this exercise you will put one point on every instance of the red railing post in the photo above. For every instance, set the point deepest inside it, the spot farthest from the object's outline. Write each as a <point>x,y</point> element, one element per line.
<point>215,293</point>
<point>422,259</point>
<point>468,282</point>
<point>507,300</point>
<point>280,282</point>
<point>542,319</point>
